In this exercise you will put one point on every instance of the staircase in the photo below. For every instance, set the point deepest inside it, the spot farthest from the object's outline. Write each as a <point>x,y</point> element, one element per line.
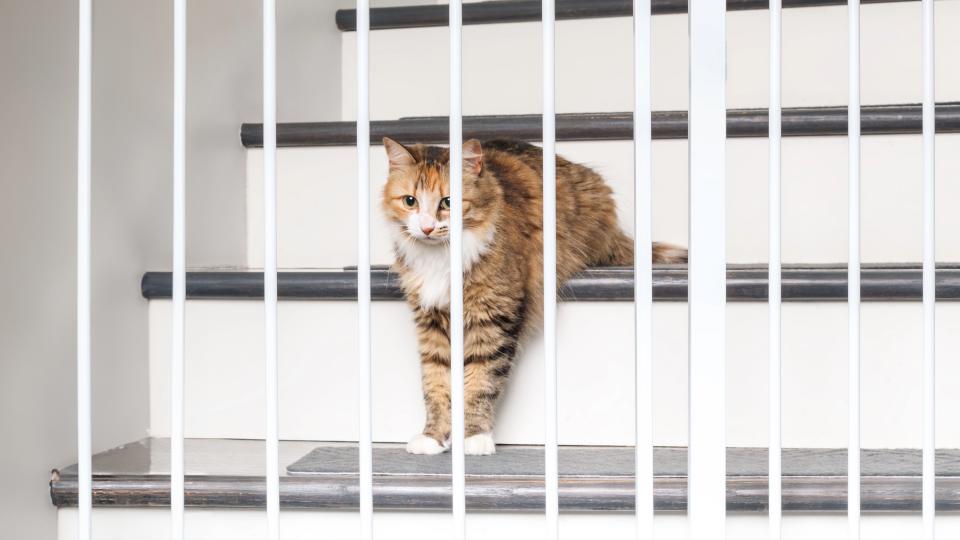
<point>317,318</point>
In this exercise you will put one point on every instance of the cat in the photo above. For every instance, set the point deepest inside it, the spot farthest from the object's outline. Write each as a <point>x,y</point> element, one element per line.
<point>502,264</point>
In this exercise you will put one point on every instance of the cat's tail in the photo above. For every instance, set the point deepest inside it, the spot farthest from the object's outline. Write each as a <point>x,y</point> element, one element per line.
<point>668,253</point>
<point>621,252</point>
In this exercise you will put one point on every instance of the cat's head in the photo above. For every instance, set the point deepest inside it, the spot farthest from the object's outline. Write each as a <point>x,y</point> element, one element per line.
<point>416,197</point>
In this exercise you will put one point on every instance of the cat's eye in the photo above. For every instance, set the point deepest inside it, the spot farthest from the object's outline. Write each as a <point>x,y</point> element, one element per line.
<point>410,201</point>
<point>445,203</point>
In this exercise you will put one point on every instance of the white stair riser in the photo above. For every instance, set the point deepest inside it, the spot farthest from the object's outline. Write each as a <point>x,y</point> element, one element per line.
<point>502,73</point>
<point>318,370</point>
<point>317,199</point>
<point>250,524</point>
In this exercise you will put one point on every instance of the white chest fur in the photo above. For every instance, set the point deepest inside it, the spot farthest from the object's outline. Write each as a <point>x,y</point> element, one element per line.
<point>429,266</point>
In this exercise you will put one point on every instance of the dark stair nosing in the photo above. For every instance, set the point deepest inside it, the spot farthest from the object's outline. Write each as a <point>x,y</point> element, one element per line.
<point>796,122</point>
<point>745,283</point>
<point>421,16</point>
<point>591,479</point>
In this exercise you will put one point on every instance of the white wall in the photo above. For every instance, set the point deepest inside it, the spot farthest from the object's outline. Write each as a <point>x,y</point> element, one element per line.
<point>36,287</point>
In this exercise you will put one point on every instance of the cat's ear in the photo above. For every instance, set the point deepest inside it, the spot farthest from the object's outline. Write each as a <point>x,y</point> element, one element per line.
<point>472,156</point>
<point>398,154</point>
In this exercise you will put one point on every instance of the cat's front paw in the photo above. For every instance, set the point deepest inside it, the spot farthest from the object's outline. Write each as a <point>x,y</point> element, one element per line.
<point>480,444</point>
<point>424,445</point>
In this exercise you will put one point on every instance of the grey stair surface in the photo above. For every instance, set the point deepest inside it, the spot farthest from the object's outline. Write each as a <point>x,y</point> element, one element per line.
<point>747,283</point>
<point>417,16</point>
<point>797,121</point>
<point>229,473</point>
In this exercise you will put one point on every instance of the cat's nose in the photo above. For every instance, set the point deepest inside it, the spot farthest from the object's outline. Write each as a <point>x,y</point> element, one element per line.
<point>427,229</point>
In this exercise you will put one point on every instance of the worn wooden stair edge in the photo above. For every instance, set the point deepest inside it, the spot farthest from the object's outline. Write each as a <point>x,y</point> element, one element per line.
<point>611,126</point>
<point>499,12</point>
<point>746,283</point>
<point>601,479</point>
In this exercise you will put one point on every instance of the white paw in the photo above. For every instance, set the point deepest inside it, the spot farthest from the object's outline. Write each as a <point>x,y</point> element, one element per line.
<point>422,444</point>
<point>480,444</point>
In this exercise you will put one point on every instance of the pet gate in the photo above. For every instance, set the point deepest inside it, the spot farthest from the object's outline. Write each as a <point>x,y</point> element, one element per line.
<point>708,121</point>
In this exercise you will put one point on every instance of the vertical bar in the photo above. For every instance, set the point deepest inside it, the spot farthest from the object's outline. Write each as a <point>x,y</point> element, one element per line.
<point>270,262</point>
<point>363,268</point>
<point>456,270</point>
<point>929,274</point>
<point>84,134</point>
<point>706,482</point>
<point>774,300</point>
<point>179,267</point>
<point>551,468</point>
<point>642,268</point>
<point>853,274</point>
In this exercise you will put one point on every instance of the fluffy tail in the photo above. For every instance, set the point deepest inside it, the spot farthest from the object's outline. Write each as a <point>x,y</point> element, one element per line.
<point>621,252</point>
<point>668,253</point>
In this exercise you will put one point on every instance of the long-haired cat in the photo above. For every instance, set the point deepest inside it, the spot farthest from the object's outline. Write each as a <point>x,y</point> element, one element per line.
<point>502,262</point>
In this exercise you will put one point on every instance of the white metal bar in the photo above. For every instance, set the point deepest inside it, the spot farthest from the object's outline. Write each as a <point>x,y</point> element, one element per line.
<point>774,278</point>
<point>551,450</point>
<point>179,267</point>
<point>642,268</point>
<point>363,268</point>
<point>707,295</point>
<point>270,263</point>
<point>84,135</point>
<point>853,273</point>
<point>929,273</point>
<point>456,270</point>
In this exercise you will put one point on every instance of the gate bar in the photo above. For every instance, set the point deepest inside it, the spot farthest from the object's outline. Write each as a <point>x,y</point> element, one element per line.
<point>270,262</point>
<point>853,274</point>
<point>774,275</point>
<point>643,268</point>
<point>456,271</point>
<point>707,293</point>
<point>929,273</point>
<point>550,448</point>
<point>179,289</point>
<point>363,269</point>
<point>84,135</point>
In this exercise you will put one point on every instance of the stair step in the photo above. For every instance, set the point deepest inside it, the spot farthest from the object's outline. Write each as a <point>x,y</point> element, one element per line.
<point>529,10</point>
<point>229,473</point>
<point>311,236</point>
<point>879,282</point>
<point>319,372</point>
<point>797,122</point>
<point>595,75</point>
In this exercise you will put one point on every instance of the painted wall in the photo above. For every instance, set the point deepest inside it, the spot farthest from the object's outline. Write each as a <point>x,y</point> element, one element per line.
<point>37,103</point>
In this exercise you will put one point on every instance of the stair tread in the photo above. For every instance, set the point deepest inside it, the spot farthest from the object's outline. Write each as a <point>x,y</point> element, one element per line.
<point>618,461</point>
<point>745,282</point>
<point>226,472</point>
<point>796,121</point>
<point>494,12</point>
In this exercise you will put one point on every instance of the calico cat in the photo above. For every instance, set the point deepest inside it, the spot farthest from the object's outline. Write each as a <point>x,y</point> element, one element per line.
<point>502,263</point>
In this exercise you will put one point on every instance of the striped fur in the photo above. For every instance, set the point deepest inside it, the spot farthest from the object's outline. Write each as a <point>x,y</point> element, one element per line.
<point>503,258</point>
